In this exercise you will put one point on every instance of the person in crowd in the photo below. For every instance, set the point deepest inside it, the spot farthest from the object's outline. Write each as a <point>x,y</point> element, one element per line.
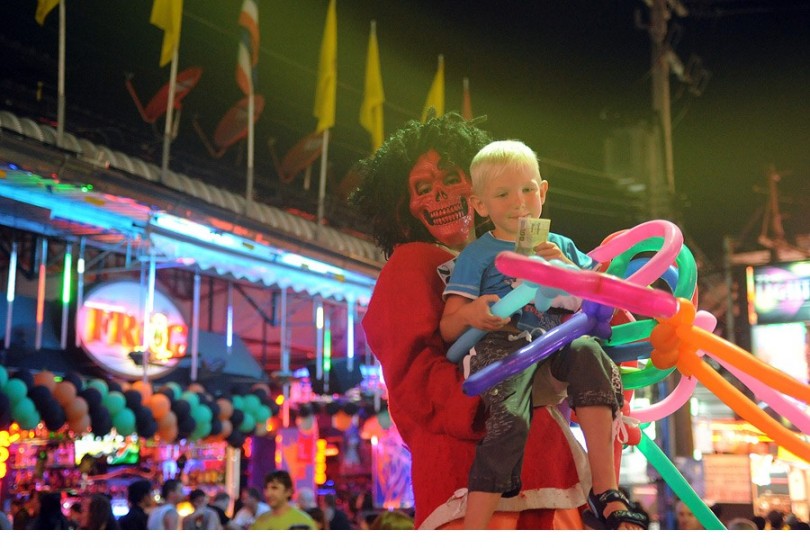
<point>75,515</point>
<point>506,188</point>
<point>278,489</point>
<point>252,507</point>
<point>99,514</point>
<point>219,504</point>
<point>336,517</point>
<point>5,522</point>
<point>776,520</point>
<point>318,515</point>
<point>50,516</point>
<point>685,518</point>
<point>202,517</point>
<point>741,524</point>
<point>165,516</point>
<point>392,519</point>
<point>24,510</point>
<point>305,498</point>
<point>414,193</point>
<point>759,521</point>
<point>139,497</point>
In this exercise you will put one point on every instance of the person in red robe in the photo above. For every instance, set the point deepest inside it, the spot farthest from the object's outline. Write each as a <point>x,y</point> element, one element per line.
<point>414,192</point>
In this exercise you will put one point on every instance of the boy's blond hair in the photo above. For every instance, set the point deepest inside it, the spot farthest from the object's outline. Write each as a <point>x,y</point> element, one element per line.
<point>498,156</point>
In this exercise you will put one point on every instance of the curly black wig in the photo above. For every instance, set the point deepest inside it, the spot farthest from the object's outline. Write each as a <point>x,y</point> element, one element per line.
<point>382,196</point>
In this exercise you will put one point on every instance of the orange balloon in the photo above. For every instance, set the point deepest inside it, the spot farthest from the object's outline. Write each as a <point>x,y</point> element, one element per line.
<point>227,429</point>
<point>144,388</point>
<point>225,408</point>
<point>45,378</point>
<point>342,420</point>
<point>197,388</point>
<point>81,424</point>
<point>168,433</point>
<point>64,392</point>
<point>160,405</point>
<point>77,409</point>
<point>169,419</point>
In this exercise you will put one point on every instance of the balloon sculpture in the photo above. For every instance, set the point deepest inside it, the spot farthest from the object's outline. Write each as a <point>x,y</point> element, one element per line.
<point>675,338</point>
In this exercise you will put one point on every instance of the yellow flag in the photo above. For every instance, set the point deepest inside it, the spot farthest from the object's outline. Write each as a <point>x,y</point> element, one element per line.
<point>371,111</point>
<point>435,96</point>
<point>167,15</point>
<point>44,7</point>
<point>326,91</point>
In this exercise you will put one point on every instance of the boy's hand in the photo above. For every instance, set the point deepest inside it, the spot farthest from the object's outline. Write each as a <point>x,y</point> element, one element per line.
<point>479,314</point>
<point>550,251</point>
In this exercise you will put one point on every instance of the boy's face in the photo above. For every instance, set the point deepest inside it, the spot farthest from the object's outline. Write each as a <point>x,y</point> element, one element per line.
<point>440,200</point>
<point>276,494</point>
<point>513,194</point>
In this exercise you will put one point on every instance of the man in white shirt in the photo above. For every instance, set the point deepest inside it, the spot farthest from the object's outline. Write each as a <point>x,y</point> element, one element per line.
<point>252,507</point>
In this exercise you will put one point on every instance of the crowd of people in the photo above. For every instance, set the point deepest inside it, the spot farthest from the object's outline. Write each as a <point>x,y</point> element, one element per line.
<point>275,508</point>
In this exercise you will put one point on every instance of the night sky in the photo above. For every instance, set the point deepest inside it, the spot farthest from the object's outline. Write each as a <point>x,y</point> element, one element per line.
<point>560,75</point>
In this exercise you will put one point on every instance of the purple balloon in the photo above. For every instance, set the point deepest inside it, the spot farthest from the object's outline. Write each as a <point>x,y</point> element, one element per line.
<point>580,324</point>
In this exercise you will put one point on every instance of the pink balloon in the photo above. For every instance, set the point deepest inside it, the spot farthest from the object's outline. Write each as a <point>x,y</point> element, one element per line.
<point>658,264</point>
<point>777,401</point>
<point>588,284</point>
<point>674,401</point>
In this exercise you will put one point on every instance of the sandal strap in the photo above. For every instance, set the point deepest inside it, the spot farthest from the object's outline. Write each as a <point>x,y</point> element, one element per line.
<point>614,519</point>
<point>626,516</point>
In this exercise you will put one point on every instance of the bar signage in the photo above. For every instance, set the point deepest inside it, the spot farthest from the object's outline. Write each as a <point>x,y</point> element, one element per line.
<point>111,330</point>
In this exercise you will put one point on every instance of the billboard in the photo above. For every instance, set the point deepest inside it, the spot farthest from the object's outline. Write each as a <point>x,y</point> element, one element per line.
<point>778,293</point>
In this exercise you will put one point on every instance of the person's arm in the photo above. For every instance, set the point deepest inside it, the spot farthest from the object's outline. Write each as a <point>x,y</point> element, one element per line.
<point>461,313</point>
<point>402,329</point>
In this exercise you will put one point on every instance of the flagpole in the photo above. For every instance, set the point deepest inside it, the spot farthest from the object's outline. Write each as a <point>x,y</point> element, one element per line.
<point>167,131</point>
<point>322,184</point>
<point>250,150</point>
<point>60,97</point>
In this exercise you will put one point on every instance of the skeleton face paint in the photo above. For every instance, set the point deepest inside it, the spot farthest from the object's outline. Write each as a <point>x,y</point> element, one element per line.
<point>440,199</point>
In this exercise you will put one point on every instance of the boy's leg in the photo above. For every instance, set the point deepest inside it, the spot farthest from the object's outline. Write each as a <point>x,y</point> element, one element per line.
<point>499,455</point>
<point>595,393</point>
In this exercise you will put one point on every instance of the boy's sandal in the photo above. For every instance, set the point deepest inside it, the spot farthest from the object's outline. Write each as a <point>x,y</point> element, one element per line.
<point>595,518</point>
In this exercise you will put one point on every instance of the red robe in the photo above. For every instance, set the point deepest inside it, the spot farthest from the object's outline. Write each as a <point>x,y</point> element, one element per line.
<point>439,424</point>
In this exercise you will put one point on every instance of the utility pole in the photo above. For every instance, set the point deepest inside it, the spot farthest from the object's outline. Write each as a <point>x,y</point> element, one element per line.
<point>661,57</point>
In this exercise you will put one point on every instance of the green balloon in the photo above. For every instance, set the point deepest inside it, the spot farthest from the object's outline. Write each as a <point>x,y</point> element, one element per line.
<point>114,401</point>
<point>202,414</point>
<point>99,385</point>
<point>22,408</point>
<point>238,402</point>
<point>251,404</point>
<point>25,414</point>
<point>175,388</point>
<point>192,398</point>
<point>262,414</point>
<point>16,390</point>
<point>678,483</point>
<point>124,421</point>
<point>3,377</point>
<point>248,424</point>
<point>200,431</point>
<point>633,379</point>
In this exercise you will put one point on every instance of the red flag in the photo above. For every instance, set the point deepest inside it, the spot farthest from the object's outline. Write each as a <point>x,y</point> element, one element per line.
<point>248,57</point>
<point>466,103</point>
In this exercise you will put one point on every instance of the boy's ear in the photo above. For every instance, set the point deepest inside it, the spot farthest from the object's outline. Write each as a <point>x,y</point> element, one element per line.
<point>543,190</point>
<point>478,205</point>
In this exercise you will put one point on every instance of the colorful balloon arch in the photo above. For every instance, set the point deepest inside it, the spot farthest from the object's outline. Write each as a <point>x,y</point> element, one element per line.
<point>675,338</point>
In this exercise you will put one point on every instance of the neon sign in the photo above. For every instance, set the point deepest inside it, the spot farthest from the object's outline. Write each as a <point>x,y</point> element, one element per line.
<point>6,439</point>
<point>111,327</point>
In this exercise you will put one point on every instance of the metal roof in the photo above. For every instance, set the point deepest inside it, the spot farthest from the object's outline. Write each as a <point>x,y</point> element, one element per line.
<point>44,199</point>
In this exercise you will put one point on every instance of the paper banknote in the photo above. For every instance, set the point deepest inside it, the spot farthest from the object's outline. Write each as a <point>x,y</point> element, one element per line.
<point>530,233</point>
